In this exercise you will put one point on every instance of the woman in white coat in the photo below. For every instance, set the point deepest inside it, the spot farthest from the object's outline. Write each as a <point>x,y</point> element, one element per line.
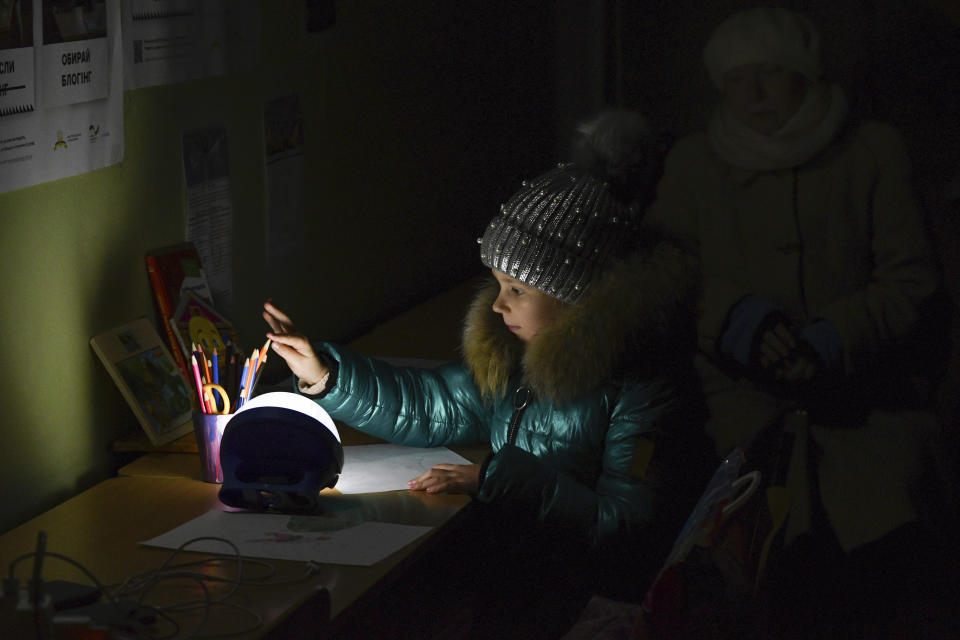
<point>816,270</point>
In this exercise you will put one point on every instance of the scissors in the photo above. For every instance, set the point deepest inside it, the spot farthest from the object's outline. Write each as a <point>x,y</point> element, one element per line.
<point>208,394</point>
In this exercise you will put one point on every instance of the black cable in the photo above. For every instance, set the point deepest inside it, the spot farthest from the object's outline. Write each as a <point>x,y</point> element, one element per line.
<point>192,576</point>
<point>183,546</point>
<point>38,566</point>
<point>176,626</point>
<point>35,582</point>
<point>87,572</point>
<point>271,569</point>
<point>145,582</point>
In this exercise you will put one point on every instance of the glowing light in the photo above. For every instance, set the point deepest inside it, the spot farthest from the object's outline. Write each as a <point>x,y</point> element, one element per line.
<point>294,402</point>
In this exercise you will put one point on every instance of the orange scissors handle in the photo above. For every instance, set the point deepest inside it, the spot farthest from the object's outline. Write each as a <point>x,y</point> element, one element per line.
<point>208,393</point>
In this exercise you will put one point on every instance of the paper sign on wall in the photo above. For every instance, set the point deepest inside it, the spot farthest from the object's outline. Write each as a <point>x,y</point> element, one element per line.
<point>61,89</point>
<point>210,209</point>
<point>17,89</point>
<point>75,55</point>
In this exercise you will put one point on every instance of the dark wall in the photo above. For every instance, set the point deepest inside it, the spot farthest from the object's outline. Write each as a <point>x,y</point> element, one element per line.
<point>425,117</point>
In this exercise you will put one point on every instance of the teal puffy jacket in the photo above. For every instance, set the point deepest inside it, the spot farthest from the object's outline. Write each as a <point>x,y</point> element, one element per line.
<point>600,445</point>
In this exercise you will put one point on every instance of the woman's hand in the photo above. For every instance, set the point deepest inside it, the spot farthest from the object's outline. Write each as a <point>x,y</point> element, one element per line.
<point>785,357</point>
<point>452,478</point>
<point>798,369</point>
<point>293,347</point>
<point>776,344</point>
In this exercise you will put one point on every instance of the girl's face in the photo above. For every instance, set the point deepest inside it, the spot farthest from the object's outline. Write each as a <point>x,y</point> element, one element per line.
<point>763,96</point>
<point>525,310</point>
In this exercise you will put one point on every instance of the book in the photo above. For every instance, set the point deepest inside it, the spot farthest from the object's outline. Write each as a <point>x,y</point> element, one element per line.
<point>172,270</point>
<point>146,374</point>
<point>196,321</point>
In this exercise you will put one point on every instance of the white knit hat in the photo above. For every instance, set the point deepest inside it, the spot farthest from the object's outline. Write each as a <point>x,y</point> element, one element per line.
<point>763,36</point>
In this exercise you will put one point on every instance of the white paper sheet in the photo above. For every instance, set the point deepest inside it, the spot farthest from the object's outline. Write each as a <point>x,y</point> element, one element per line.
<point>77,70</point>
<point>169,41</point>
<point>17,90</point>
<point>329,539</point>
<point>160,42</point>
<point>387,467</point>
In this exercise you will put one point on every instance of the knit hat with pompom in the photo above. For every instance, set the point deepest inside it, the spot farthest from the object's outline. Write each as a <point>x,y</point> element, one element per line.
<point>562,229</point>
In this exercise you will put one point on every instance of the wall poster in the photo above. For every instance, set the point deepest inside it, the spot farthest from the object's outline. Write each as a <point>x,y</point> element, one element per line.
<point>61,89</point>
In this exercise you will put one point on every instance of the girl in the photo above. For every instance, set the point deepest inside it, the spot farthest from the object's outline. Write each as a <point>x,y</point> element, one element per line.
<point>570,371</point>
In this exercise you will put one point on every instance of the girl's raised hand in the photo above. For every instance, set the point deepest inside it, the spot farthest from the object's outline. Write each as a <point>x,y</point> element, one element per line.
<point>293,347</point>
<point>279,321</point>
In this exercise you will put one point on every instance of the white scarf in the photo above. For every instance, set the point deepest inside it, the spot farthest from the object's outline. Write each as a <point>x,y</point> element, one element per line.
<point>809,131</point>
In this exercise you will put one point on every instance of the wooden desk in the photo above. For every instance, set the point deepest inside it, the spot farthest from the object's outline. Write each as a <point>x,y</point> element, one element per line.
<point>100,528</point>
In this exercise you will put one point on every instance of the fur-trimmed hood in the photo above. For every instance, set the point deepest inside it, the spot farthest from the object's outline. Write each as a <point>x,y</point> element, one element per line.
<point>638,318</point>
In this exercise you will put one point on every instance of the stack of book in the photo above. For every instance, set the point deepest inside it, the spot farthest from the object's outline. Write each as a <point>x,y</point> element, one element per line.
<point>185,304</point>
<point>156,378</point>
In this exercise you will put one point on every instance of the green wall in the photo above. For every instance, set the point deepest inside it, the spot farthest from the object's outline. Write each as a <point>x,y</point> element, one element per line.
<point>419,117</point>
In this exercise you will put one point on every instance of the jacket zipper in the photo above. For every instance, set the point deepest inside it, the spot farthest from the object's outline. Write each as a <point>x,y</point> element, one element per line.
<point>521,398</point>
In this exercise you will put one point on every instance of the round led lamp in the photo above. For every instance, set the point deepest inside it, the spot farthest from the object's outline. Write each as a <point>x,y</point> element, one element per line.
<point>278,452</point>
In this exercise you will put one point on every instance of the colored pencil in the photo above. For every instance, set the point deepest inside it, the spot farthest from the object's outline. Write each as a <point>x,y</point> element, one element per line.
<point>263,353</point>
<point>196,379</point>
<point>231,373</point>
<point>240,399</point>
<point>254,359</point>
<point>243,383</point>
<point>260,368</point>
<point>205,363</point>
<point>216,367</point>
